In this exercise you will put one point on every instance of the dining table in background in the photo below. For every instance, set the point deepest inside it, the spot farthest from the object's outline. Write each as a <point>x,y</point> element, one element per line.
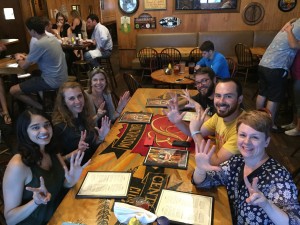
<point>182,79</point>
<point>100,211</point>
<point>9,41</point>
<point>258,51</point>
<point>85,45</point>
<point>9,66</point>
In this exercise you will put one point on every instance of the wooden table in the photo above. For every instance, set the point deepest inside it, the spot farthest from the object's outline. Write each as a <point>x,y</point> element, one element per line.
<point>9,66</point>
<point>9,41</point>
<point>159,75</point>
<point>79,47</point>
<point>86,211</point>
<point>258,51</point>
<point>184,51</point>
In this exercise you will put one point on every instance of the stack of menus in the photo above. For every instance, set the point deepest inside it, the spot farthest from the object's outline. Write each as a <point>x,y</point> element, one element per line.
<point>135,117</point>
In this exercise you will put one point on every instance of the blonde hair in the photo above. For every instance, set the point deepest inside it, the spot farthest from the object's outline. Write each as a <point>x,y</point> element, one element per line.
<point>92,73</point>
<point>62,114</point>
<point>258,120</point>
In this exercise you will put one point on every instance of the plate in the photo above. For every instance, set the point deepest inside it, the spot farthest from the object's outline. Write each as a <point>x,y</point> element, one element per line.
<point>170,22</point>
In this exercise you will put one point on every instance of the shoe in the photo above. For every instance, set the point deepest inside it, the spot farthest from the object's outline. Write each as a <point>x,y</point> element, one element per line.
<point>289,126</point>
<point>293,132</point>
<point>277,130</point>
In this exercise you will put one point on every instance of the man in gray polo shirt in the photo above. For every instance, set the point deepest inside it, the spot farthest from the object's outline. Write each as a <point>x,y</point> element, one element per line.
<point>48,55</point>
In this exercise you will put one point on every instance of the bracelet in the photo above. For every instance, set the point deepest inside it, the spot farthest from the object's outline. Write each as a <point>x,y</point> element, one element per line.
<point>195,132</point>
<point>36,203</point>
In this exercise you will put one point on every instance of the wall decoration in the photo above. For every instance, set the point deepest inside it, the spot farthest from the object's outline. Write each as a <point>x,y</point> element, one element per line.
<point>155,4</point>
<point>125,24</point>
<point>76,7</point>
<point>287,5</point>
<point>253,13</point>
<point>170,22</point>
<point>145,21</point>
<point>128,6</point>
<point>207,6</point>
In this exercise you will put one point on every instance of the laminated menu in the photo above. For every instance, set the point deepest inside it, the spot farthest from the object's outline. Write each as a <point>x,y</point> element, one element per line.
<point>157,103</point>
<point>185,208</point>
<point>98,184</point>
<point>167,157</point>
<point>135,117</point>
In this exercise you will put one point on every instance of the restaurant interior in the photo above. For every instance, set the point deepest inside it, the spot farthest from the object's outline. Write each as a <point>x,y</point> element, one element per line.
<point>159,24</point>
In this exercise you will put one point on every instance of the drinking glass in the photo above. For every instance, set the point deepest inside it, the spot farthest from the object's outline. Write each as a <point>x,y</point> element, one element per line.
<point>191,67</point>
<point>182,67</point>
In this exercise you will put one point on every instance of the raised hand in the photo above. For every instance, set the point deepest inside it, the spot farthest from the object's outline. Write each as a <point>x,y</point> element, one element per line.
<point>255,196</point>
<point>123,101</point>
<point>41,194</point>
<point>75,171</point>
<point>197,121</point>
<point>82,145</point>
<point>101,111</point>
<point>203,155</point>
<point>105,127</point>
<point>172,113</point>
<point>191,102</point>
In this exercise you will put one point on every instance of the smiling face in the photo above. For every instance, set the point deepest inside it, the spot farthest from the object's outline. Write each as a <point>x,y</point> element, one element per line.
<point>98,83</point>
<point>226,100</point>
<point>204,84</point>
<point>74,100</point>
<point>251,143</point>
<point>39,130</point>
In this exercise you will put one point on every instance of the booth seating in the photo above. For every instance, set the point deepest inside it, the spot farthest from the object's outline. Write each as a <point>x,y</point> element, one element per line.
<point>224,41</point>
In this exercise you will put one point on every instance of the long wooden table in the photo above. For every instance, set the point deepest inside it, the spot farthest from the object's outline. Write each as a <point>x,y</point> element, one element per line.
<point>87,211</point>
<point>9,66</point>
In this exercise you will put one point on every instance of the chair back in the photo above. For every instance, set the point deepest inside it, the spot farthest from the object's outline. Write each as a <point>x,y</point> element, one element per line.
<point>131,83</point>
<point>174,53</point>
<point>232,66</point>
<point>147,56</point>
<point>244,55</point>
<point>164,60</point>
<point>195,55</point>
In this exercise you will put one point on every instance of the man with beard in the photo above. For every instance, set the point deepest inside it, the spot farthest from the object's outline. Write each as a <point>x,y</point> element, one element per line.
<point>227,99</point>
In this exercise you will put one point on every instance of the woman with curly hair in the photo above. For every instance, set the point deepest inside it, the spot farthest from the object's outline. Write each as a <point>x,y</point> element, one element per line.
<point>73,118</point>
<point>34,180</point>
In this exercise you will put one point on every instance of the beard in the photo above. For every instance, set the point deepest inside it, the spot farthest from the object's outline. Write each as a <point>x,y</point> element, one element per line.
<point>210,90</point>
<point>227,113</point>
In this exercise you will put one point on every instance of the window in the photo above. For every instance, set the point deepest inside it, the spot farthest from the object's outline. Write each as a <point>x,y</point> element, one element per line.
<point>9,13</point>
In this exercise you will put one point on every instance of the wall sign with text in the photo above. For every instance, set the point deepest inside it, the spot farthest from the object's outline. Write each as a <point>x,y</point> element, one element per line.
<point>155,4</point>
<point>145,21</point>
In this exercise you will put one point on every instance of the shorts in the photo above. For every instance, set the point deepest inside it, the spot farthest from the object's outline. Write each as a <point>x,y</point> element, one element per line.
<point>272,83</point>
<point>34,84</point>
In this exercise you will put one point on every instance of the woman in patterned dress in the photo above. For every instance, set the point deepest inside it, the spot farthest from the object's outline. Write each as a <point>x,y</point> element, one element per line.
<point>260,190</point>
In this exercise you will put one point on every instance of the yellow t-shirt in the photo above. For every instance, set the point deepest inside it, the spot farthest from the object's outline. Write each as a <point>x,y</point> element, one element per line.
<point>225,133</point>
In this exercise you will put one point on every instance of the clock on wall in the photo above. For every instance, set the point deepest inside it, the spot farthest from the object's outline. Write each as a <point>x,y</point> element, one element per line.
<point>253,13</point>
<point>128,6</point>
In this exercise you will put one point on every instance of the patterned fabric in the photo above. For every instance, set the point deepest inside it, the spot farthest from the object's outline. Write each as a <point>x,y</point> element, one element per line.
<point>274,181</point>
<point>279,54</point>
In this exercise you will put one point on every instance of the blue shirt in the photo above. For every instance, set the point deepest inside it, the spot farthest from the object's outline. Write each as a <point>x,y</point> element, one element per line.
<point>218,64</point>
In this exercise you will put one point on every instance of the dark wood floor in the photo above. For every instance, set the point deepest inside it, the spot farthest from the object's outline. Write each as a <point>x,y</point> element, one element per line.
<point>281,146</point>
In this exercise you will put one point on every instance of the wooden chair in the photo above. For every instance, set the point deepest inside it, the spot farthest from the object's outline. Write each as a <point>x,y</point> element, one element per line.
<point>232,66</point>
<point>148,58</point>
<point>131,83</point>
<point>164,60</point>
<point>174,53</point>
<point>195,55</point>
<point>245,60</point>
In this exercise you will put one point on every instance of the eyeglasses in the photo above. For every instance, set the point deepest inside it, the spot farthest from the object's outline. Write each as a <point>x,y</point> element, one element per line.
<point>202,82</point>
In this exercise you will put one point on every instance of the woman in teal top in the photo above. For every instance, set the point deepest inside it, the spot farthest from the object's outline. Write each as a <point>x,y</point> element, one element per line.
<point>34,180</point>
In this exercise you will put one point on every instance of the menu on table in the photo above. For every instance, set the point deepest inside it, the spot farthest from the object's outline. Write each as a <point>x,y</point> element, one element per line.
<point>97,184</point>
<point>135,117</point>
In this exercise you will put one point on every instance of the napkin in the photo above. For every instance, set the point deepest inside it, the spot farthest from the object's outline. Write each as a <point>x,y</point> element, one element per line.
<point>124,212</point>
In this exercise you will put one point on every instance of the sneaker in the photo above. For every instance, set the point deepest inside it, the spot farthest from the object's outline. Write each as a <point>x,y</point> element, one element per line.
<point>292,132</point>
<point>289,126</point>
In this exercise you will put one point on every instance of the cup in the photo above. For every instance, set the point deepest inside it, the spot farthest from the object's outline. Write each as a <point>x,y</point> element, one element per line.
<point>176,69</point>
<point>79,36</point>
<point>182,67</point>
<point>191,67</point>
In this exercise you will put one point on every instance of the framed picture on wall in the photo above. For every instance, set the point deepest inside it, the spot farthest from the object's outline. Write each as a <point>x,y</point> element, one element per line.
<point>286,6</point>
<point>128,6</point>
<point>207,6</point>
<point>155,4</point>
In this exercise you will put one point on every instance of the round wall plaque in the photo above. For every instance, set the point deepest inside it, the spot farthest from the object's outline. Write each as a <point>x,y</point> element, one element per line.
<point>253,13</point>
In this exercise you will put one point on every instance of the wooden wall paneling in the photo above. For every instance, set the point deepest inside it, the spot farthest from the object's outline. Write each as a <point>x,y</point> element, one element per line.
<point>274,19</point>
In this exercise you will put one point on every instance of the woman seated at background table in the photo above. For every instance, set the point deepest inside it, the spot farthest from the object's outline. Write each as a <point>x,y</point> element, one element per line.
<point>34,178</point>
<point>72,120</point>
<point>61,28</point>
<point>260,190</point>
<point>100,96</point>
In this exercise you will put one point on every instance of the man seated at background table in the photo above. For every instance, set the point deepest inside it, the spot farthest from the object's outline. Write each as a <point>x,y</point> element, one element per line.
<point>227,100</point>
<point>213,59</point>
<point>101,38</point>
<point>48,54</point>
